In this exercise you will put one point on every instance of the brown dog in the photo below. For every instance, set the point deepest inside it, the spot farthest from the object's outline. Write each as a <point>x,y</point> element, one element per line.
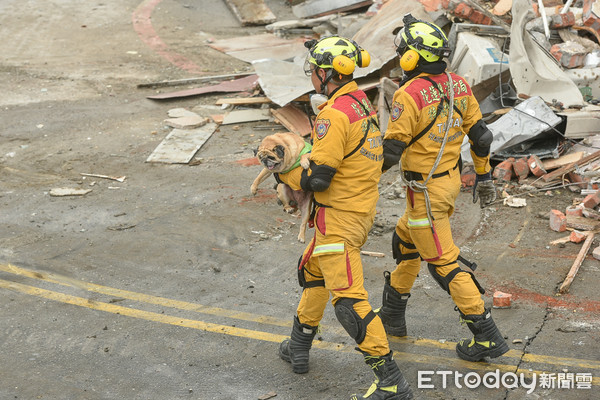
<point>278,153</point>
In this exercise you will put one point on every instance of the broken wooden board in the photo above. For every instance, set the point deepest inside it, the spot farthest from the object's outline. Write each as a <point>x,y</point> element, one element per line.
<point>180,146</point>
<point>239,116</point>
<point>575,267</point>
<point>317,8</point>
<point>62,192</point>
<point>570,167</point>
<point>256,47</point>
<point>562,160</point>
<point>582,223</point>
<point>251,12</point>
<point>238,85</point>
<point>294,119</point>
<point>243,100</point>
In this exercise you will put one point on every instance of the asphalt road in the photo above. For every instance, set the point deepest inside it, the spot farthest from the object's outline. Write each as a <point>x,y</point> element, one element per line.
<point>177,283</point>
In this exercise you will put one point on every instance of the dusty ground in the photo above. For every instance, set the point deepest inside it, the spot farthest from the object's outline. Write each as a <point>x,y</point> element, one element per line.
<point>176,283</point>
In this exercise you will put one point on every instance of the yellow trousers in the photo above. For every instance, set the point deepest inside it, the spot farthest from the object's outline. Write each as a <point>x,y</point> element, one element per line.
<point>434,243</point>
<point>333,256</point>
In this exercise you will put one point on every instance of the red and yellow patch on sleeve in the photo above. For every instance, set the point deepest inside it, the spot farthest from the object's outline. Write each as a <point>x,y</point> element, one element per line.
<point>321,128</point>
<point>397,110</point>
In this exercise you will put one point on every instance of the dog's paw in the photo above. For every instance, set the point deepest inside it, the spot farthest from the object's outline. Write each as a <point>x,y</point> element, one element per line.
<point>253,190</point>
<point>289,210</point>
<point>301,237</point>
<point>305,161</point>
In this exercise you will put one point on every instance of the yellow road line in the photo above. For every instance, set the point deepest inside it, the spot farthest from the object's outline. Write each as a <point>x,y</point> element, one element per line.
<point>144,298</point>
<point>401,357</point>
<point>182,305</point>
<point>530,358</point>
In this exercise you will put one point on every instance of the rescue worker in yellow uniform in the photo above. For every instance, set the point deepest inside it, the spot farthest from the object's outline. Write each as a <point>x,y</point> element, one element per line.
<point>431,113</point>
<point>345,167</point>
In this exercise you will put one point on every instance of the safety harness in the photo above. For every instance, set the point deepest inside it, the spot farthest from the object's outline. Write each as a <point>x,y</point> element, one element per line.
<point>413,181</point>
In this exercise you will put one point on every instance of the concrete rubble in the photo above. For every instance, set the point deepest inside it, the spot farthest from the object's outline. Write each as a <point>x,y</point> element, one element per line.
<point>534,66</point>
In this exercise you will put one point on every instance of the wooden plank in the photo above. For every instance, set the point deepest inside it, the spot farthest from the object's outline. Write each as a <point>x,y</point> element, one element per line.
<point>294,119</point>
<point>318,8</point>
<point>243,100</point>
<point>562,160</point>
<point>180,146</point>
<point>575,267</point>
<point>582,223</point>
<point>251,12</point>
<point>239,116</point>
<point>570,167</point>
<point>238,85</point>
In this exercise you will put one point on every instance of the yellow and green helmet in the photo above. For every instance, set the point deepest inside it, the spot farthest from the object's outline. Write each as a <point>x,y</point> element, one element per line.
<point>425,38</point>
<point>339,53</point>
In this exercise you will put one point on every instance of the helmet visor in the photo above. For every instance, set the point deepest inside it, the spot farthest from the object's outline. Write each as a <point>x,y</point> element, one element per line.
<point>308,66</point>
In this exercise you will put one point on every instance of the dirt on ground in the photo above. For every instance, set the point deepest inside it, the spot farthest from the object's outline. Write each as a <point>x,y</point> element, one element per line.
<point>175,282</point>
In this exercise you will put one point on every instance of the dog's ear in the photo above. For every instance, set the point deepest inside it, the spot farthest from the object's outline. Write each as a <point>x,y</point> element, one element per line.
<point>255,151</point>
<point>280,151</point>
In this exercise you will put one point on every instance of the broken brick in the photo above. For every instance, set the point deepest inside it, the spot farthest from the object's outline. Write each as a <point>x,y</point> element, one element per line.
<point>596,253</point>
<point>577,236</point>
<point>468,179</point>
<point>463,11</point>
<point>592,200</point>
<point>590,18</point>
<point>575,210</point>
<point>561,21</point>
<point>558,221</point>
<point>574,177</point>
<point>536,166</point>
<point>504,170</point>
<point>502,300</point>
<point>521,168</point>
<point>569,54</point>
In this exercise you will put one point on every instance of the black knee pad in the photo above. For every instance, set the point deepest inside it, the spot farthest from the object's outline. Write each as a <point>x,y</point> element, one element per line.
<point>444,281</point>
<point>350,320</point>
<point>397,253</point>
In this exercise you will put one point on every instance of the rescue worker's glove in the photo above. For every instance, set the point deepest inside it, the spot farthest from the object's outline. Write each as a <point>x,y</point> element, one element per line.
<point>392,151</point>
<point>484,190</point>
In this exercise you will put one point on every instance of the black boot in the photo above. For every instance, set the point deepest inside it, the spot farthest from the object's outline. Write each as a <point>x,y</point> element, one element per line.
<point>392,309</point>
<point>295,350</point>
<point>389,382</point>
<point>487,340</point>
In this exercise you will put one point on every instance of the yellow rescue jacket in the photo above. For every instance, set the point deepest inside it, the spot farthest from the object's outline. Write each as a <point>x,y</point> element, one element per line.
<point>339,128</point>
<point>414,107</point>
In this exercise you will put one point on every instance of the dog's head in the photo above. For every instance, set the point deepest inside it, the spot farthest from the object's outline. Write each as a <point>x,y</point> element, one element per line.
<point>273,154</point>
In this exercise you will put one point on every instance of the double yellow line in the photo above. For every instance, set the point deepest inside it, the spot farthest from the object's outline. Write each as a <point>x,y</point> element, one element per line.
<point>558,363</point>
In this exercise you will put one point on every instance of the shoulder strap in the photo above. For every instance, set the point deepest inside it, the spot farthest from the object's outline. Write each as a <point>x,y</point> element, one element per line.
<point>370,120</point>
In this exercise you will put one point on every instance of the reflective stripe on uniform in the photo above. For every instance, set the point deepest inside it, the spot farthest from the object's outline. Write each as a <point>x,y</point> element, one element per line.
<point>329,248</point>
<point>418,222</point>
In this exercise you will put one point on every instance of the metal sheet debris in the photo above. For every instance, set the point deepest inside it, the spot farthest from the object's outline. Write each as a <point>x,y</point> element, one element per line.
<point>316,8</point>
<point>535,72</point>
<point>237,85</point>
<point>376,35</point>
<point>282,81</point>
<point>257,47</point>
<point>180,146</point>
<point>524,122</point>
